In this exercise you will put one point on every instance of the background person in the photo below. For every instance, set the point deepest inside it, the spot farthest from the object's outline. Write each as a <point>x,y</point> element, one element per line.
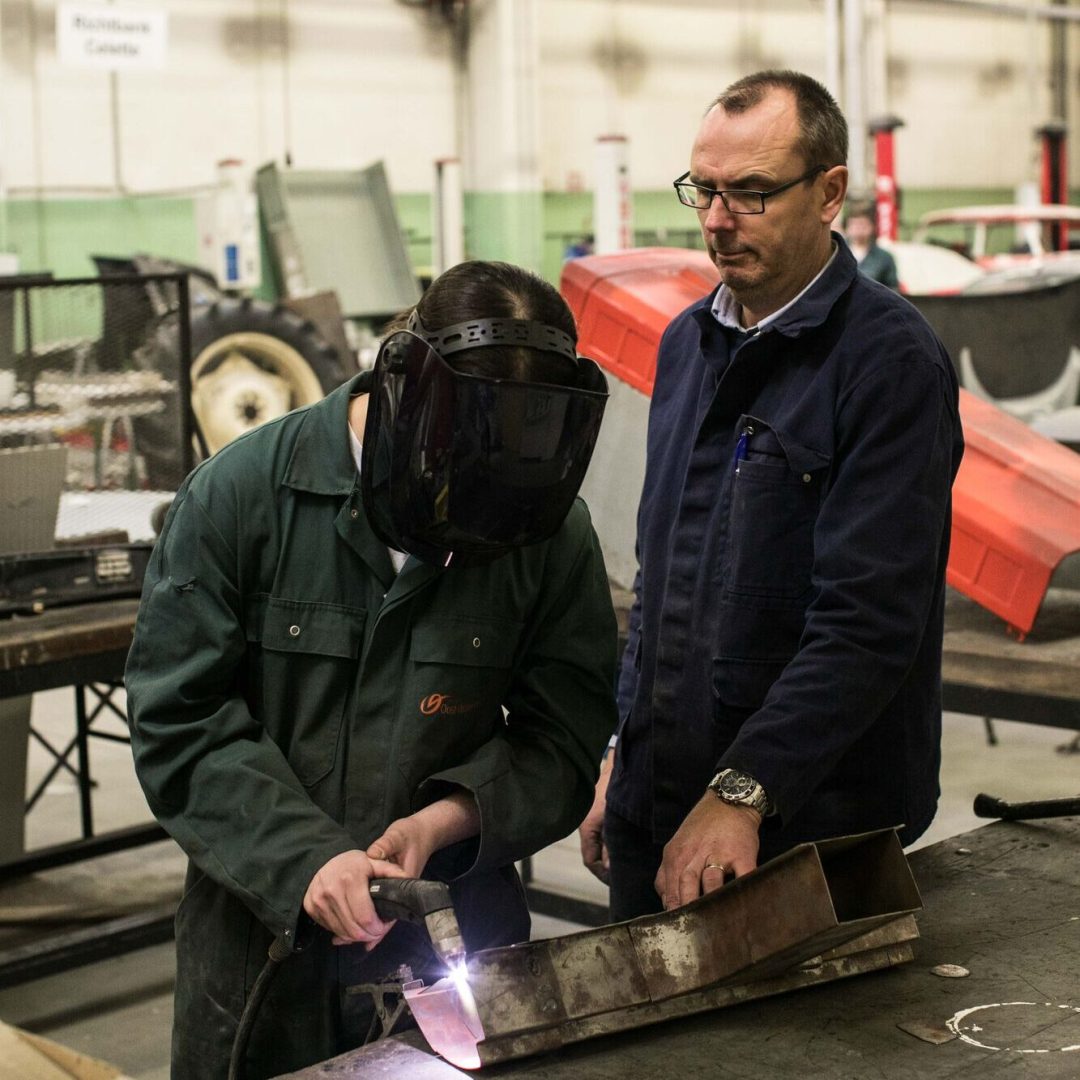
<point>579,248</point>
<point>860,231</point>
<point>311,707</point>
<point>782,681</point>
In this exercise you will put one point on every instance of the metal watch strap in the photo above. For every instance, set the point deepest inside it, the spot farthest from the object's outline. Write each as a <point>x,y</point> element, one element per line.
<point>756,797</point>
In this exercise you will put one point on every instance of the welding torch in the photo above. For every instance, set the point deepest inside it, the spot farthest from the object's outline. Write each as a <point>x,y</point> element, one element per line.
<point>426,903</point>
<point>414,900</point>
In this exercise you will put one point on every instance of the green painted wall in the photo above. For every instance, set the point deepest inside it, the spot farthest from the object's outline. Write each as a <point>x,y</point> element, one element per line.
<point>61,235</point>
<point>533,229</point>
<point>660,220</point>
<point>414,213</point>
<point>915,203</point>
<point>567,218</point>
<point>505,225</point>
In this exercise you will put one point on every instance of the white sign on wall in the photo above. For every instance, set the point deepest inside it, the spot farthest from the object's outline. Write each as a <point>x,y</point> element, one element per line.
<point>112,38</point>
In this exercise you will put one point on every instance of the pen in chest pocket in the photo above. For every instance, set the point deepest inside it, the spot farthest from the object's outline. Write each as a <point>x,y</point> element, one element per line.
<point>742,445</point>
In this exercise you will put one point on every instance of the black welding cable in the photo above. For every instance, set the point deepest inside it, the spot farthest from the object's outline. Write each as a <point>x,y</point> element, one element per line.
<point>405,898</point>
<point>278,951</point>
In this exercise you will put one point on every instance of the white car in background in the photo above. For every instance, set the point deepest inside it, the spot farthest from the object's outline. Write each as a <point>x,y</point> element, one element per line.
<point>986,249</point>
<point>1002,237</point>
<point>926,269</point>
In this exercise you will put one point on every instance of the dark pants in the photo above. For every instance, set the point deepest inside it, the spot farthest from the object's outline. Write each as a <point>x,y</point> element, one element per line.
<point>634,859</point>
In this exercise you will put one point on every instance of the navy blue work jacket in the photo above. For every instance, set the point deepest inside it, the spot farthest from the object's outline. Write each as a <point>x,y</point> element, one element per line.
<point>792,540</point>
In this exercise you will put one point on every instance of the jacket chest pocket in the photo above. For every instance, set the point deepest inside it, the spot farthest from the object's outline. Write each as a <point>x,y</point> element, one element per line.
<point>459,676</point>
<point>304,669</point>
<point>776,492</point>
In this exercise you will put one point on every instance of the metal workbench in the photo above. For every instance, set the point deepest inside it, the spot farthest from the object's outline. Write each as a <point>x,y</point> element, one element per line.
<point>987,672</point>
<point>83,646</point>
<point>65,646</point>
<point>1002,902</point>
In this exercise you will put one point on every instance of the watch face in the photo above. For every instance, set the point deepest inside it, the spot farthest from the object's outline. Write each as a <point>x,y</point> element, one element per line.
<point>736,785</point>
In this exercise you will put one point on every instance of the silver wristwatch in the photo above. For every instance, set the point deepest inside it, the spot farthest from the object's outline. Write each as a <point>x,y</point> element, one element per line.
<point>740,789</point>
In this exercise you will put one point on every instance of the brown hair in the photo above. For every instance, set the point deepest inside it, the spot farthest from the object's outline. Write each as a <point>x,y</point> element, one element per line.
<point>823,132</point>
<point>861,208</point>
<point>498,290</point>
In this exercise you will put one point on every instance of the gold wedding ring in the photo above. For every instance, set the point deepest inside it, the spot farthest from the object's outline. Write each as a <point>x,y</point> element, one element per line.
<point>715,866</point>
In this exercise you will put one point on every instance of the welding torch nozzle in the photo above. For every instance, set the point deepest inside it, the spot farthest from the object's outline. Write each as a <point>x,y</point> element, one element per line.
<point>424,902</point>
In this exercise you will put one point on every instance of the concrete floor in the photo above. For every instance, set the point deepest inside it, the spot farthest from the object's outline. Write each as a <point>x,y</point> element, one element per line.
<point>119,1009</point>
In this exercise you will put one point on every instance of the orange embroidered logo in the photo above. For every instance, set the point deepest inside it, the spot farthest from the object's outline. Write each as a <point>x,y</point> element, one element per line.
<point>431,704</point>
<point>445,705</point>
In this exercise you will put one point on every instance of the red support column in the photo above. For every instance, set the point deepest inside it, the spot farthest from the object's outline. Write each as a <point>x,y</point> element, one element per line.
<point>1055,184</point>
<point>886,192</point>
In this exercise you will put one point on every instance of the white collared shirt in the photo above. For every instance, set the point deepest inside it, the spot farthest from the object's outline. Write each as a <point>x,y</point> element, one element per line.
<point>396,557</point>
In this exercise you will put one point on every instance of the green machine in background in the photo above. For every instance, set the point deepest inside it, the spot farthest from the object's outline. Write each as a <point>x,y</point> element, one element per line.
<point>338,231</point>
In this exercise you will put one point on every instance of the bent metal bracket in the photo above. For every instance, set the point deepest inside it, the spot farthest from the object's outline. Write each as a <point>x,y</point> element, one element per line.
<point>819,912</point>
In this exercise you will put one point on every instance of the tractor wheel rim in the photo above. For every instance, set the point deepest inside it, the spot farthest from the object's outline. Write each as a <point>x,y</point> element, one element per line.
<point>243,379</point>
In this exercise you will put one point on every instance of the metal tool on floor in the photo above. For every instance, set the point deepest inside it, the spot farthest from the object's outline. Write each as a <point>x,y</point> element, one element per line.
<point>821,911</point>
<point>426,903</point>
<point>990,806</point>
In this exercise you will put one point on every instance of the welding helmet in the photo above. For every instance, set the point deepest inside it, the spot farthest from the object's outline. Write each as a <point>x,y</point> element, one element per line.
<point>459,468</point>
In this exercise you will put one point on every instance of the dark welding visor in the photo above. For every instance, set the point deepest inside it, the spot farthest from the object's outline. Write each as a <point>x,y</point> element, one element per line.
<point>461,468</point>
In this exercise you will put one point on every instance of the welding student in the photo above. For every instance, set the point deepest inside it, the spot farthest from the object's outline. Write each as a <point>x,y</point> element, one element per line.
<point>782,681</point>
<point>311,707</point>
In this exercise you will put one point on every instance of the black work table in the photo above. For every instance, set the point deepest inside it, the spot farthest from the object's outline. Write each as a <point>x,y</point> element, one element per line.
<point>1002,901</point>
<point>78,646</point>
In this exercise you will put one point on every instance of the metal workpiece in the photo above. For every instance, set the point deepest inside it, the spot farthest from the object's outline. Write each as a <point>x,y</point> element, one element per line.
<point>796,906</point>
<point>402,1057</point>
<point>783,926</point>
<point>1001,901</point>
<point>893,946</point>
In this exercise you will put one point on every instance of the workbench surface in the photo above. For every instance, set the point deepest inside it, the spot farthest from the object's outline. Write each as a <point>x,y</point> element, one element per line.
<point>979,649</point>
<point>1002,901</point>
<point>65,645</point>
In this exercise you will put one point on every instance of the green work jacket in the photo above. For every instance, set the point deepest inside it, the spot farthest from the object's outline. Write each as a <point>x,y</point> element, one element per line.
<point>290,695</point>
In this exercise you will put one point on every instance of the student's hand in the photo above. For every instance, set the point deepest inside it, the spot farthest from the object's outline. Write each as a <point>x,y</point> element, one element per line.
<point>410,841</point>
<point>594,853</point>
<point>716,840</point>
<point>339,900</point>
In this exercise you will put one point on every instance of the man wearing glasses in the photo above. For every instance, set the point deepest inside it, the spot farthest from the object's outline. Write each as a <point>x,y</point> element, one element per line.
<point>782,678</point>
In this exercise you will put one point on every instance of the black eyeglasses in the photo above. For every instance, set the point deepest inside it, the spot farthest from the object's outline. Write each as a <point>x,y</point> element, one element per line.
<point>735,200</point>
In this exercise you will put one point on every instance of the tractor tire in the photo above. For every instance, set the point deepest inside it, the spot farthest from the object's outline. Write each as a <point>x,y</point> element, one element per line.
<point>250,362</point>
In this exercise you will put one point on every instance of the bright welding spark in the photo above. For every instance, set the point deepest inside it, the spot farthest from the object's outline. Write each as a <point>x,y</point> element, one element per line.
<point>459,976</point>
